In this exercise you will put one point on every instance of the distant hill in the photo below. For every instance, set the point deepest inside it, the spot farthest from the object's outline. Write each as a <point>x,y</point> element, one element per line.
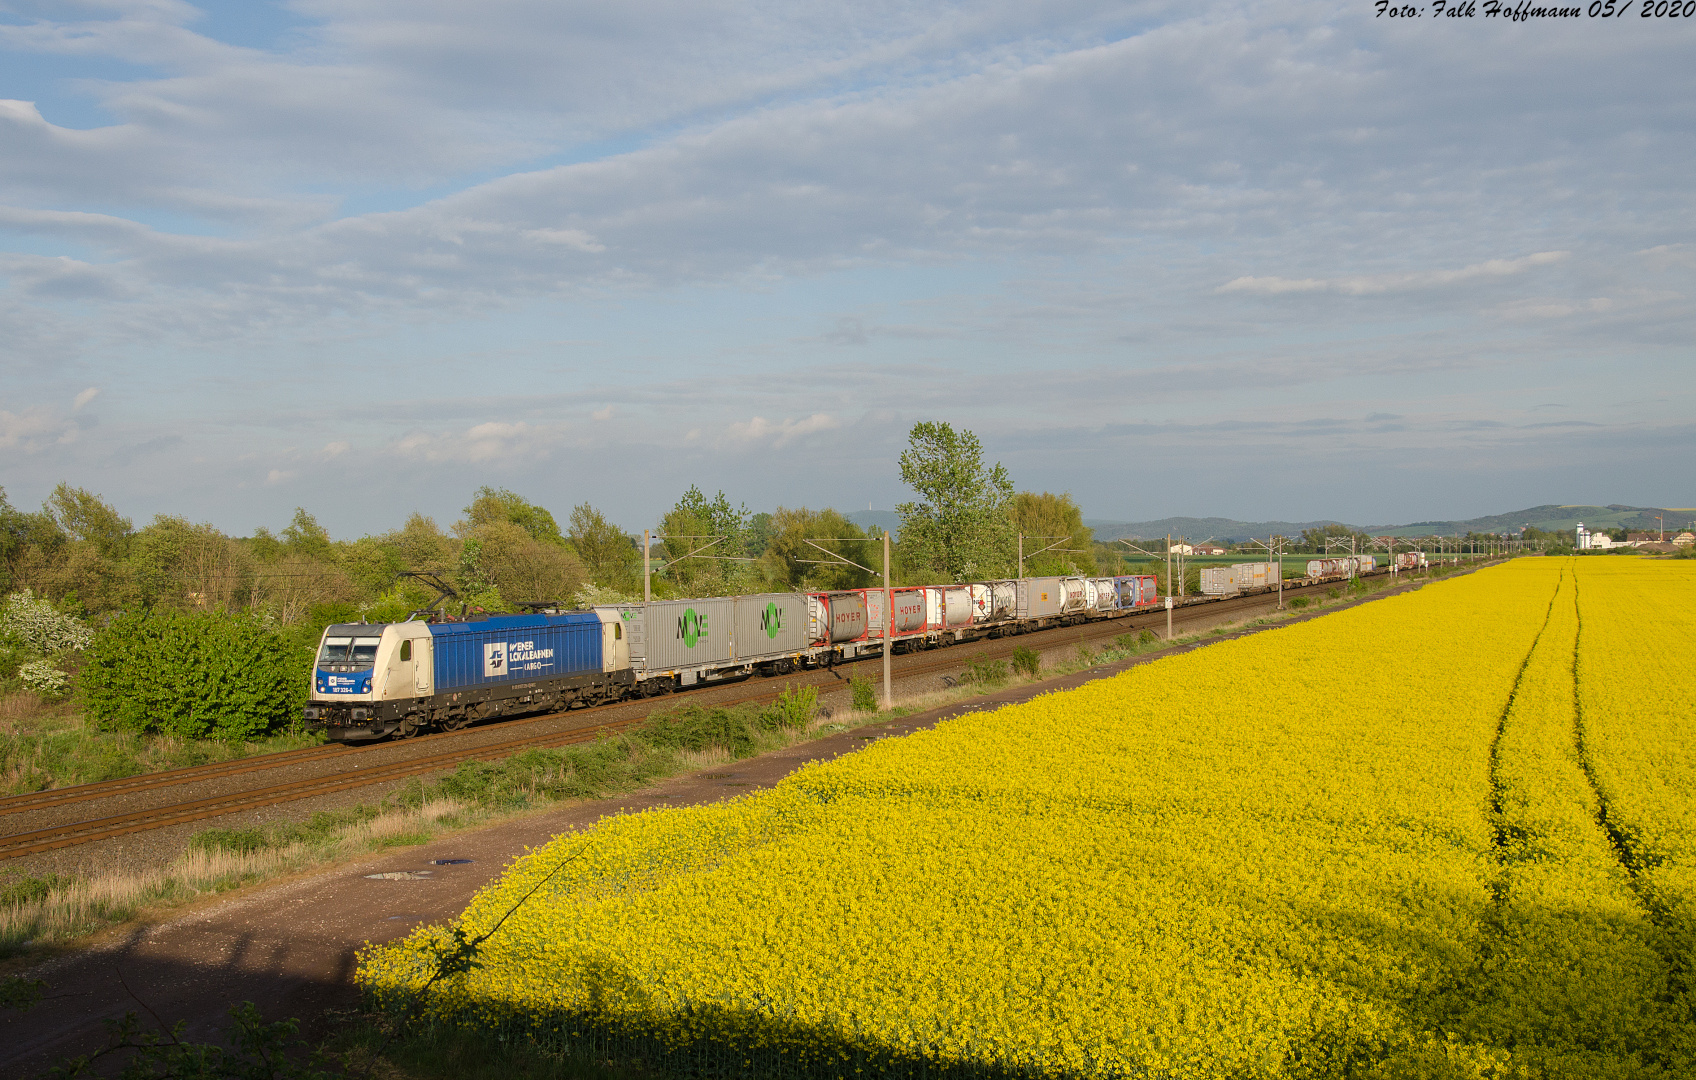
<point>887,520</point>
<point>1549,517</point>
<point>1224,530</point>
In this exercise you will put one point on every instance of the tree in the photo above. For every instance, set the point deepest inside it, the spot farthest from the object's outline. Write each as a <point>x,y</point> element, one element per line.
<point>608,554</point>
<point>492,505</point>
<point>85,516</point>
<point>1314,539</point>
<point>693,523</point>
<point>1050,515</point>
<point>179,565</point>
<point>305,536</point>
<point>795,564</point>
<point>960,530</point>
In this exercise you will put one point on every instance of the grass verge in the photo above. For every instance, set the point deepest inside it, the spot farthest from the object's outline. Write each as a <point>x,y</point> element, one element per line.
<point>48,745</point>
<point>43,911</point>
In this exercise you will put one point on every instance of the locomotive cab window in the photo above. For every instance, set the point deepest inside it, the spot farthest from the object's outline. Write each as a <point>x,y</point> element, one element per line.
<point>348,653</point>
<point>406,650</point>
<point>618,631</point>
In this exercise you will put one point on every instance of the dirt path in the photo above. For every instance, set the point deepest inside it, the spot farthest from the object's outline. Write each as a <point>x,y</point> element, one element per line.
<point>289,947</point>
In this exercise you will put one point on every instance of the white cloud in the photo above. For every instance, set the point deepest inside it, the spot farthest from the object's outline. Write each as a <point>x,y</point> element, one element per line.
<point>602,414</point>
<point>34,430</point>
<point>781,433</point>
<point>279,476</point>
<point>493,441</point>
<point>571,238</point>
<point>1365,285</point>
<point>84,398</point>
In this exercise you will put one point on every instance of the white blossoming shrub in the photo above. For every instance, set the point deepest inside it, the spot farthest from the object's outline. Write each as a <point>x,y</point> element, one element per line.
<point>33,621</point>
<point>592,595</point>
<point>44,679</point>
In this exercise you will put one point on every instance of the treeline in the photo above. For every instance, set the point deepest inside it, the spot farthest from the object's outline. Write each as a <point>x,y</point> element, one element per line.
<point>506,552</point>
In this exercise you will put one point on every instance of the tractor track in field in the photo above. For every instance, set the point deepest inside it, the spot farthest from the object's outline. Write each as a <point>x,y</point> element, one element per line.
<point>114,808</point>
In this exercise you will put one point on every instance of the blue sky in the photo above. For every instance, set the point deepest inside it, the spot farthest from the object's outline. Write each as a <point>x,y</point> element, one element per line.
<point>1269,259</point>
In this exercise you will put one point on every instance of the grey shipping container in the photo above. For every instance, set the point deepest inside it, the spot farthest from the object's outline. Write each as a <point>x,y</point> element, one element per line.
<point>1218,580</point>
<point>682,633</point>
<point>770,624</point>
<point>1040,598</point>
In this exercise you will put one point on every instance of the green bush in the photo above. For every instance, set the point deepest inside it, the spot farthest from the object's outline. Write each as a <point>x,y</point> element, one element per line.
<point>28,889</point>
<point>795,707</point>
<point>985,672</point>
<point>864,694</point>
<point>239,841</point>
<point>1298,602</point>
<point>194,675</point>
<point>1027,661</point>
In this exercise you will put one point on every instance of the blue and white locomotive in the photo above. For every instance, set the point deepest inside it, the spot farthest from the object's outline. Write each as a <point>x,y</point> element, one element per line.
<point>375,680</point>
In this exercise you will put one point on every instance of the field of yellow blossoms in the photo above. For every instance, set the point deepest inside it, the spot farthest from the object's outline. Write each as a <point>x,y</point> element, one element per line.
<point>1447,833</point>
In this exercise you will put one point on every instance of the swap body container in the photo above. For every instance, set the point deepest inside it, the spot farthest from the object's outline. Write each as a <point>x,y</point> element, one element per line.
<point>1255,575</point>
<point>769,624</point>
<point>688,633</point>
<point>1039,598</point>
<point>715,631</point>
<point>515,649</point>
<point>1219,581</point>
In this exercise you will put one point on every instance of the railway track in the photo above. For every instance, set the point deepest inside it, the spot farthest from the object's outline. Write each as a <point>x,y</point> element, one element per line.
<point>907,666</point>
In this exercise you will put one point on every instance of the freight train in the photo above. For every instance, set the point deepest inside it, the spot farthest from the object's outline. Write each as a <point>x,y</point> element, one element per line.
<point>374,680</point>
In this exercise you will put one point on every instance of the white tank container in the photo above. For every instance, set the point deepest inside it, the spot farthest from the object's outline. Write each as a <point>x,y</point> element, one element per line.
<point>1106,595</point>
<point>957,606</point>
<point>1076,595</point>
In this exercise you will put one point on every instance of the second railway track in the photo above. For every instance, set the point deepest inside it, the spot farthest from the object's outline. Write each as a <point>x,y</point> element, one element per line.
<point>910,665</point>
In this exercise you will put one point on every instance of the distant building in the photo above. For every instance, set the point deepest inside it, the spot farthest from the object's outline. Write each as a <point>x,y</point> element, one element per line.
<point>1208,549</point>
<point>1685,538</point>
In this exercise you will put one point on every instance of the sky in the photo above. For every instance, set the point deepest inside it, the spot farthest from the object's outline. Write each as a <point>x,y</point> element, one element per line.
<point>1274,259</point>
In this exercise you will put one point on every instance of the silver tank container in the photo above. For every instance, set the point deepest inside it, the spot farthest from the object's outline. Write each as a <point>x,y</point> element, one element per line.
<point>1077,595</point>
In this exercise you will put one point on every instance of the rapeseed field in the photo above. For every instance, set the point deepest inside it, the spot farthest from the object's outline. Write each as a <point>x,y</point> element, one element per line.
<point>1443,834</point>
